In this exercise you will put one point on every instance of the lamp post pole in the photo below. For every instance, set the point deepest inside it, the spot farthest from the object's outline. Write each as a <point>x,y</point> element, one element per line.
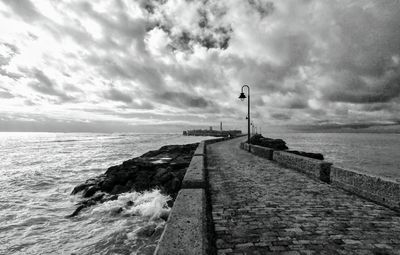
<point>242,97</point>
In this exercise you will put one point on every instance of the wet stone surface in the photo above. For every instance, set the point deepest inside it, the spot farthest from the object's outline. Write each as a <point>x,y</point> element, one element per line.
<point>259,207</point>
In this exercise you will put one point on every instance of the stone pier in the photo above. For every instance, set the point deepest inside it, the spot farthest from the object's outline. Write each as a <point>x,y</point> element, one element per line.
<point>260,207</point>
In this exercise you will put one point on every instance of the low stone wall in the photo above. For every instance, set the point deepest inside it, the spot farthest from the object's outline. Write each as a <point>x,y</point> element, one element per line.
<point>185,232</point>
<point>210,141</point>
<point>262,151</point>
<point>316,168</point>
<point>201,149</point>
<point>382,191</point>
<point>186,228</point>
<point>245,146</point>
<point>195,175</point>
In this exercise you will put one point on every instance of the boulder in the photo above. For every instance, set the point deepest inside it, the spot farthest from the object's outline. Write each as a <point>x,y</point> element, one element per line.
<point>147,230</point>
<point>91,191</point>
<point>118,189</point>
<point>276,144</point>
<point>160,172</point>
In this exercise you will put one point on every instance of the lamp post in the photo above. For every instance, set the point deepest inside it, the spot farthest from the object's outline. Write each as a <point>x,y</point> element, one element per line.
<point>242,96</point>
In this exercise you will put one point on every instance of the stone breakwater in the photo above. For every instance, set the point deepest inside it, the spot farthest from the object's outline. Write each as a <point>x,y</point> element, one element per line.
<point>163,169</point>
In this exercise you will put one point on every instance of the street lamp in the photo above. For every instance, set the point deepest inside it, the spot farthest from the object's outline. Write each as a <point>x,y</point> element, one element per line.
<point>242,97</point>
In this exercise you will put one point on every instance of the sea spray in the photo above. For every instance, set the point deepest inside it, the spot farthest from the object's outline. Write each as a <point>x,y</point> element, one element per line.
<point>134,221</point>
<point>149,204</point>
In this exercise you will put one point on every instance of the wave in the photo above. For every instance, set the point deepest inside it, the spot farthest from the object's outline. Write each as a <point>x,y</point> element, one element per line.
<point>149,204</point>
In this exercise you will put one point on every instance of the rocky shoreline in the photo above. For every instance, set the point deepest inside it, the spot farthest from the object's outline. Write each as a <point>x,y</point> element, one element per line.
<point>163,169</point>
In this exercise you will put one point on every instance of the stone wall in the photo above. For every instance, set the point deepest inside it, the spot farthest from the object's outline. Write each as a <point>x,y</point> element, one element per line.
<point>376,189</point>
<point>316,168</point>
<point>262,151</point>
<point>186,229</point>
<point>382,191</point>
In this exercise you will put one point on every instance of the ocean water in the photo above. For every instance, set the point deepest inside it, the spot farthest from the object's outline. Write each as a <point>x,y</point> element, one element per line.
<point>37,174</point>
<point>373,154</point>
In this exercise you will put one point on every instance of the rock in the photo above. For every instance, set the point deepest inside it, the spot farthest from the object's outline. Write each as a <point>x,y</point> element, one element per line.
<point>118,189</point>
<point>98,197</point>
<point>175,185</point>
<point>112,170</point>
<point>116,211</point>
<point>130,185</point>
<point>83,186</point>
<point>109,198</point>
<point>79,188</point>
<point>166,177</point>
<point>147,230</point>
<point>164,215</point>
<point>279,144</point>
<point>160,172</point>
<point>108,184</point>
<point>276,144</point>
<point>81,206</point>
<point>91,191</point>
<point>170,203</point>
<point>77,210</point>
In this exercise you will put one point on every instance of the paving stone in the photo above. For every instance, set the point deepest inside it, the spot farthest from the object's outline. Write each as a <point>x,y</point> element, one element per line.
<point>260,207</point>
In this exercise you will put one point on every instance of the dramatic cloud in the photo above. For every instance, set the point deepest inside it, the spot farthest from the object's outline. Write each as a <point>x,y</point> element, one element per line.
<point>310,64</point>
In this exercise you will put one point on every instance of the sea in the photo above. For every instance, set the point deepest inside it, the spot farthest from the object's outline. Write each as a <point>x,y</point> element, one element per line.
<point>39,170</point>
<point>37,174</point>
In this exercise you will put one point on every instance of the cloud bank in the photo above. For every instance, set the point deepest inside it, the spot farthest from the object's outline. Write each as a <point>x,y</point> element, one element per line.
<point>312,65</point>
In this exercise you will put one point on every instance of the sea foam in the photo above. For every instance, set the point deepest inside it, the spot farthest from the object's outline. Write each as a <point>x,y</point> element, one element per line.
<point>149,204</point>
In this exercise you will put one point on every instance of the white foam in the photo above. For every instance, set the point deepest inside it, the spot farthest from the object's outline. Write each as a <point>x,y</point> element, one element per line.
<point>150,204</point>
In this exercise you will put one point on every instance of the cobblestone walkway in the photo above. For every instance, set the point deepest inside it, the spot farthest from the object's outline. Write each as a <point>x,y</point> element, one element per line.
<point>259,207</point>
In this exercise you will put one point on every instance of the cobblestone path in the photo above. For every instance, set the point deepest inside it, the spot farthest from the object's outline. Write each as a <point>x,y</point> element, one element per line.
<point>259,207</point>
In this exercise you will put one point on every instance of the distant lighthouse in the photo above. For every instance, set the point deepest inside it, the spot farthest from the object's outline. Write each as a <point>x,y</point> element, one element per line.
<point>220,126</point>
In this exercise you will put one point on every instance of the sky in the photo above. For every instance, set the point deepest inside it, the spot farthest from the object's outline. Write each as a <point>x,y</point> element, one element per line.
<point>169,65</point>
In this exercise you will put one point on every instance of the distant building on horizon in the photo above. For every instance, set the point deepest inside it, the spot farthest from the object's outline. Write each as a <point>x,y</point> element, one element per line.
<point>211,132</point>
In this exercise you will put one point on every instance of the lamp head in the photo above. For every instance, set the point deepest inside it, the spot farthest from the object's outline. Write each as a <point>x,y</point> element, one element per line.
<point>242,96</point>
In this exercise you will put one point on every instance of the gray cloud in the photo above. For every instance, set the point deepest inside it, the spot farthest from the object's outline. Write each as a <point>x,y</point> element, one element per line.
<point>207,34</point>
<point>116,95</point>
<point>24,9</point>
<point>6,94</point>
<point>45,86</point>
<point>181,99</point>
<point>280,116</point>
<point>352,89</point>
